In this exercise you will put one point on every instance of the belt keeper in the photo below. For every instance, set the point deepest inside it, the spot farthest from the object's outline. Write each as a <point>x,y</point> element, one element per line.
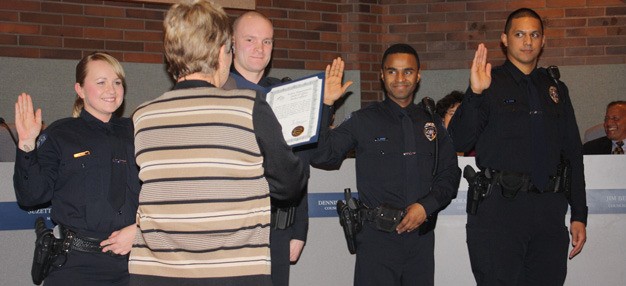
<point>282,218</point>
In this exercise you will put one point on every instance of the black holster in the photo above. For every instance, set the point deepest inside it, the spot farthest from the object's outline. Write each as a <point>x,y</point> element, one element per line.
<point>386,218</point>
<point>350,218</point>
<point>563,179</point>
<point>513,182</point>
<point>480,185</point>
<point>48,248</point>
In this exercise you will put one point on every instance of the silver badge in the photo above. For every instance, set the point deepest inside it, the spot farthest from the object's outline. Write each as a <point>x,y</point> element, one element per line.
<point>554,94</point>
<point>430,131</point>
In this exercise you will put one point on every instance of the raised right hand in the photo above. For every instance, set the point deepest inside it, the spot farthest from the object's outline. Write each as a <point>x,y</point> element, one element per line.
<point>333,89</point>
<point>480,74</point>
<point>27,122</point>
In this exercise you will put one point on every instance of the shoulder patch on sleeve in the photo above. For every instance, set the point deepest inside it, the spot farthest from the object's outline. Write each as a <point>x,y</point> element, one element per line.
<point>42,138</point>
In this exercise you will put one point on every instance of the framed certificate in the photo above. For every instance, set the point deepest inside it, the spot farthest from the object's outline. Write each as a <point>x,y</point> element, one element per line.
<point>298,107</point>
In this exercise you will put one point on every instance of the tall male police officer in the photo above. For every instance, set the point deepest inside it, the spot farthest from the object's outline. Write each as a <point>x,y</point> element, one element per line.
<point>521,122</point>
<point>253,41</point>
<point>395,142</point>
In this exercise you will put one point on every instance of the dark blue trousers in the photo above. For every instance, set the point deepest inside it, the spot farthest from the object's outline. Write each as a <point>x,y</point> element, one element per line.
<point>95,269</point>
<point>519,241</point>
<point>391,259</point>
<point>279,249</point>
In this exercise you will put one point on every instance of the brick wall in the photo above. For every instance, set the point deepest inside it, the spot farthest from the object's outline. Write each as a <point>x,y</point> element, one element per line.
<point>310,33</point>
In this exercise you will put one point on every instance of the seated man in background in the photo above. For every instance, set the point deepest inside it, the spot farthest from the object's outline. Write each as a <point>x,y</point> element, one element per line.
<point>615,129</point>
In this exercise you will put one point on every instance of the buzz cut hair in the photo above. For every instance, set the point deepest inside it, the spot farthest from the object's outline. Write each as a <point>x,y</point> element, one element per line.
<point>521,13</point>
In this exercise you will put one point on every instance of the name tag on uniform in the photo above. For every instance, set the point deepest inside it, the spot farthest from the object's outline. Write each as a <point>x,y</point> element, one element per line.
<point>81,154</point>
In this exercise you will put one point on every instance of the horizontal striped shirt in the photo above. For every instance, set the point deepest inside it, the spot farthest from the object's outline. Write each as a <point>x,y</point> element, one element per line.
<point>204,207</point>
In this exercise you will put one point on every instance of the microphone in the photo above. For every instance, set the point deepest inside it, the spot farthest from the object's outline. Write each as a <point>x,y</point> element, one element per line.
<point>3,123</point>
<point>429,104</point>
<point>554,73</point>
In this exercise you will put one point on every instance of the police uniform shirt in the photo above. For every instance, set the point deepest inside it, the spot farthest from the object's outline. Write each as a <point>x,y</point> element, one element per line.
<point>383,177</point>
<point>498,125</point>
<point>71,167</point>
<point>301,225</point>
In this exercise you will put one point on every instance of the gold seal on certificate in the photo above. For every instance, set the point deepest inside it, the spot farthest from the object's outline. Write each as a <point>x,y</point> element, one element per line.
<point>298,106</point>
<point>297,131</point>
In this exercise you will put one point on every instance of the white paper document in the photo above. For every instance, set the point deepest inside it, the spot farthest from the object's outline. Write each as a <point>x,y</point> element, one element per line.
<point>297,105</point>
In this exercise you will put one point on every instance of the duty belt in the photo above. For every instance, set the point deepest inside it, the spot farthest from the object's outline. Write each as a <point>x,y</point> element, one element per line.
<point>505,180</point>
<point>282,218</point>
<point>384,217</point>
<point>85,244</point>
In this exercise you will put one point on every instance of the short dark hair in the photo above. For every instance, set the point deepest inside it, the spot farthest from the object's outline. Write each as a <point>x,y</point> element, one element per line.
<point>448,101</point>
<point>521,13</point>
<point>400,49</point>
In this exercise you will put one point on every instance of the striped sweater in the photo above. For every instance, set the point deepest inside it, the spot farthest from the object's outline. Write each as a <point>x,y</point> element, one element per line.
<point>204,207</point>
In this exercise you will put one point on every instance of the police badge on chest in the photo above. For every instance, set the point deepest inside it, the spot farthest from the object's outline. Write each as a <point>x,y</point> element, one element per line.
<point>430,131</point>
<point>554,93</point>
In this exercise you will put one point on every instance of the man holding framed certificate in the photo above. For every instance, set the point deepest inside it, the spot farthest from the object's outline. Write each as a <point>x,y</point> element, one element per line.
<point>297,105</point>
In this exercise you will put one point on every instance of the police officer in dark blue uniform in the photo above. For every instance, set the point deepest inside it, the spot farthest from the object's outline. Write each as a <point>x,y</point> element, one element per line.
<point>253,43</point>
<point>398,145</point>
<point>521,122</point>
<point>85,167</point>
<point>289,219</point>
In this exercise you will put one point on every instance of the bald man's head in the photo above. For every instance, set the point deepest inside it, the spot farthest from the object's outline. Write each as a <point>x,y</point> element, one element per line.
<point>253,36</point>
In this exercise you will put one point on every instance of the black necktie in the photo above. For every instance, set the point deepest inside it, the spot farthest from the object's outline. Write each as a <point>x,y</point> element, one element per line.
<point>539,174</point>
<point>619,149</point>
<point>119,179</point>
<point>409,134</point>
<point>409,152</point>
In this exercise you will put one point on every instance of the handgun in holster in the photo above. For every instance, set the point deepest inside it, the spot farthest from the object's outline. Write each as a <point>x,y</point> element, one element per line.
<point>48,248</point>
<point>44,251</point>
<point>480,184</point>
<point>350,218</point>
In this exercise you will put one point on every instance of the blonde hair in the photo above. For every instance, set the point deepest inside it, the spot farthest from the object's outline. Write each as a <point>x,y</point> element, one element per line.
<point>81,74</point>
<point>195,30</point>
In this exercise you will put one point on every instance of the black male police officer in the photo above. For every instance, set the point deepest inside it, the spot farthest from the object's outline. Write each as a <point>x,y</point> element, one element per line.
<point>394,141</point>
<point>521,122</point>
